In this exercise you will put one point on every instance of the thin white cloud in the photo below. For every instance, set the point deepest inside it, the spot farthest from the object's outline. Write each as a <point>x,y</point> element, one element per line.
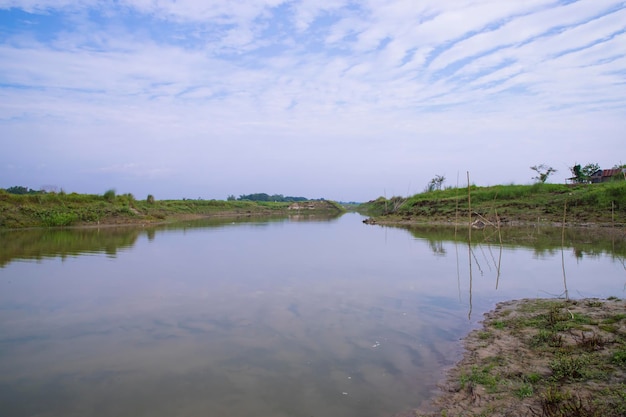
<point>322,81</point>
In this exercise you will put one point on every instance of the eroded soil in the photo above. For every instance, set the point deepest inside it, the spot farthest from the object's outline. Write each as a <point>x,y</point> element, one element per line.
<point>541,357</point>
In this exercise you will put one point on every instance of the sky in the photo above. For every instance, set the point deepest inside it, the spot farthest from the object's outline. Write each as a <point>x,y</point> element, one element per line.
<point>338,99</point>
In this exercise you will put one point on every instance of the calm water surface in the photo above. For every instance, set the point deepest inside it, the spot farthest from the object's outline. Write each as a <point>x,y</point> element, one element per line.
<point>269,318</point>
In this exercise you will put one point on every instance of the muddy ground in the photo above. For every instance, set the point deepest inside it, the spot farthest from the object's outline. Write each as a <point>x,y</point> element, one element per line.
<point>540,357</point>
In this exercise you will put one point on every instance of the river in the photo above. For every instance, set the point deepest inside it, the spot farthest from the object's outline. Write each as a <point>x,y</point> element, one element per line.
<point>293,317</point>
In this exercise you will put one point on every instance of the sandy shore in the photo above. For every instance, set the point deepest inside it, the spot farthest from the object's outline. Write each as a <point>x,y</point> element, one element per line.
<point>540,357</point>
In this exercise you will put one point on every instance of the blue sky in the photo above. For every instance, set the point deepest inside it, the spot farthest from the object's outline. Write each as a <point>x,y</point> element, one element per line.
<point>345,100</point>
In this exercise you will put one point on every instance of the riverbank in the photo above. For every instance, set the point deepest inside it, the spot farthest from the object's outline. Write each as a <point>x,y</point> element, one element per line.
<point>597,205</point>
<point>84,210</point>
<point>541,357</point>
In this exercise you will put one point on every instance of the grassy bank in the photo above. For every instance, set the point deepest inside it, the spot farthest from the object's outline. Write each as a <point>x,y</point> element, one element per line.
<point>61,209</point>
<point>582,203</point>
<point>551,358</point>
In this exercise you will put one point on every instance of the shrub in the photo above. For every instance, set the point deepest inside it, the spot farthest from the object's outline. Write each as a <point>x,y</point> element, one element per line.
<point>569,367</point>
<point>56,219</point>
<point>109,195</point>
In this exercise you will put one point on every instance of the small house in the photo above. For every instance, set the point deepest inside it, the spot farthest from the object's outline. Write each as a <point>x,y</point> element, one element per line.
<point>606,175</point>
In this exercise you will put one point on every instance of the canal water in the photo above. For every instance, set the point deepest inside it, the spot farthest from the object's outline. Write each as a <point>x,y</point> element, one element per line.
<point>293,317</point>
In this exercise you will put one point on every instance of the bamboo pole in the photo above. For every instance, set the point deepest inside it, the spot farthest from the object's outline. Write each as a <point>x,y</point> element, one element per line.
<point>563,250</point>
<point>469,244</point>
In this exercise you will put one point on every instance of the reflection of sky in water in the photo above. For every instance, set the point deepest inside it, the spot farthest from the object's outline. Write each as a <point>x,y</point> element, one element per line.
<point>278,320</point>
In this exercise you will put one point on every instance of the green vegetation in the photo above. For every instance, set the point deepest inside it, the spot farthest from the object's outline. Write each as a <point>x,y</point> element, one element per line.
<point>507,204</point>
<point>49,209</point>
<point>543,172</point>
<point>569,365</point>
<point>582,241</point>
<point>18,189</point>
<point>582,174</point>
<point>43,243</point>
<point>547,358</point>
<point>278,198</point>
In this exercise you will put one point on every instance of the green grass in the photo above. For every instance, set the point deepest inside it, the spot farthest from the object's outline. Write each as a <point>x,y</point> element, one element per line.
<point>584,202</point>
<point>482,376</point>
<point>62,209</point>
<point>525,391</point>
<point>569,367</point>
<point>574,352</point>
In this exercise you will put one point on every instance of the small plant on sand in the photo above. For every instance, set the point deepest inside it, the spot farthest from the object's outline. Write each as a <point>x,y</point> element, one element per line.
<point>546,338</point>
<point>533,378</point>
<point>589,342</point>
<point>484,335</point>
<point>499,324</point>
<point>594,303</point>
<point>525,391</point>
<point>480,376</point>
<point>569,367</point>
<point>619,357</point>
<point>614,319</point>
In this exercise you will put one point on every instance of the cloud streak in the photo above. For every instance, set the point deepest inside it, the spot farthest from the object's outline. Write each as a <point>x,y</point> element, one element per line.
<point>391,90</point>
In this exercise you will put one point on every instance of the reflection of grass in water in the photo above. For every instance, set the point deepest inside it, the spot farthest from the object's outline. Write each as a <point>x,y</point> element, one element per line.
<point>549,240</point>
<point>40,243</point>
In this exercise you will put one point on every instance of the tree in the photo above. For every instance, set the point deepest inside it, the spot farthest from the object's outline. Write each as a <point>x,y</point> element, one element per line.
<point>436,183</point>
<point>582,174</point>
<point>18,189</point>
<point>109,195</point>
<point>543,172</point>
<point>266,197</point>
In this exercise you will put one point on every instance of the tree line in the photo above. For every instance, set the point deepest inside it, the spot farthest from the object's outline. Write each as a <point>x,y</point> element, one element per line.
<point>266,197</point>
<point>20,190</point>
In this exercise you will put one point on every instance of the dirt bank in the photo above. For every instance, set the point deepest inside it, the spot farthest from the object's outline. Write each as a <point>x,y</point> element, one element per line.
<point>541,357</point>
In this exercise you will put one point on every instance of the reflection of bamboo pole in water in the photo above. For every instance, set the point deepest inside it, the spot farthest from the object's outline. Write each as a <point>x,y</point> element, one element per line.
<point>613,215</point>
<point>469,244</point>
<point>456,243</point>
<point>482,250</point>
<point>480,269</point>
<point>563,251</point>
<point>500,255</point>
<point>458,271</point>
<point>469,256</point>
<point>493,259</point>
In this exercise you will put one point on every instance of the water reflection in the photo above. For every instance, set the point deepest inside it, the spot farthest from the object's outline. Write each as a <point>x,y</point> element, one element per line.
<point>39,244</point>
<point>544,241</point>
<point>280,318</point>
<point>485,249</point>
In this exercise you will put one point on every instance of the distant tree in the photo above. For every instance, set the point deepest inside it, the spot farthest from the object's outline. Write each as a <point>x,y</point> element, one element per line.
<point>255,197</point>
<point>18,189</point>
<point>266,197</point>
<point>436,183</point>
<point>150,199</point>
<point>582,174</point>
<point>231,198</point>
<point>543,172</point>
<point>109,195</point>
